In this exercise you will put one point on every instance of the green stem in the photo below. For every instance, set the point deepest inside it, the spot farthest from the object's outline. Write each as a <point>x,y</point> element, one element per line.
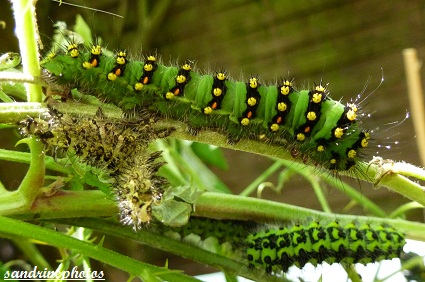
<point>33,254</point>
<point>224,206</point>
<point>11,113</point>
<point>386,177</point>
<point>308,172</point>
<point>11,228</point>
<point>262,178</point>
<point>314,182</point>
<point>352,273</point>
<point>403,209</point>
<point>63,204</point>
<point>22,157</point>
<point>34,179</point>
<point>409,264</point>
<point>26,30</point>
<point>162,242</point>
<point>22,199</point>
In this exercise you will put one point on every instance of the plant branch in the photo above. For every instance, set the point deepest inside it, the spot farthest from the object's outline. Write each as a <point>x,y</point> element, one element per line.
<point>224,206</point>
<point>26,30</point>
<point>11,228</point>
<point>160,241</point>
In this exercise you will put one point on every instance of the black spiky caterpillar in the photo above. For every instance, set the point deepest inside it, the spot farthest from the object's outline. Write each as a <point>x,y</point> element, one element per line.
<point>308,122</point>
<point>275,249</point>
<point>117,147</point>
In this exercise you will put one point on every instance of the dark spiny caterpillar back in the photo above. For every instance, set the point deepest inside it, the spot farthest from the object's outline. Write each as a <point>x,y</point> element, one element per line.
<point>117,147</point>
<point>275,249</point>
<point>307,122</point>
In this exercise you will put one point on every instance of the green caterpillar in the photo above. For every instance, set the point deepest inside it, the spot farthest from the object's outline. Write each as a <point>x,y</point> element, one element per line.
<point>307,122</point>
<point>276,249</point>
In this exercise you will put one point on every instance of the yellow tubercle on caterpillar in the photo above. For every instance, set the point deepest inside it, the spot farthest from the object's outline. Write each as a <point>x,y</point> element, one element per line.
<point>282,106</point>
<point>151,58</point>
<point>320,88</point>
<point>169,95</point>
<point>351,115</point>
<point>96,50</point>
<point>317,98</point>
<point>300,137</point>
<point>148,67</point>
<point>285,89</point>
<point>320,148</point>
<point>181,79</point>
<point>311,116</point>
<point>338,132</point>
<point>365,140</point>
<point>186,67</point>
<point>352,154</point>
<point>245,121</point>
<point>111,76</point>
<point>217,92</point>
<point>252,101</point>
<point>253,82</point>
<point>351,112</point>
<point>274,127</point>
<point>138,86</point>
<point>221,76</point>
<point>137,216</point>
<point>87,65</point>
<point>208,110</point>
<point>73,50</point>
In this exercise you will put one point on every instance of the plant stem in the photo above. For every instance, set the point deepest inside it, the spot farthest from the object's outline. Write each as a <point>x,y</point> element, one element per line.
<point>26,30</point>
<point>224,206</point>
<point>11,113</point>
<point>33,254</point>
<point>386,175</point>
<point>266,174</point>
<point>63,204</point>
<point>162,242</point>
<point>11,228</point>
<point>34,179</point>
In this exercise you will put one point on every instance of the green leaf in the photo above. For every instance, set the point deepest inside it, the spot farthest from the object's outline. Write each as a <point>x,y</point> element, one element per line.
<point>187,193</point>
<point>173,213</point>
<point>83,29</point>
<point>211,155</point>
<point>9,60</point>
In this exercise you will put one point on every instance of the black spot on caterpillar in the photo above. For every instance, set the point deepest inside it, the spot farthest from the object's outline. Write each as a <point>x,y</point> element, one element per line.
<point>275,249</point>
<point>307,122</point>
<point>117,147</point>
